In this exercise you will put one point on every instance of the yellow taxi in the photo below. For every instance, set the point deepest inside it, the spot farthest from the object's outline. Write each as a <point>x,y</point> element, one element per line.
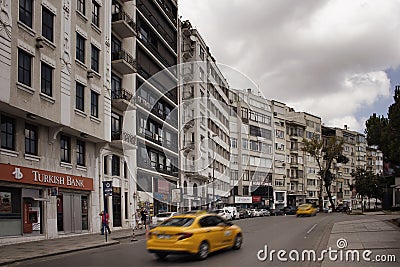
<point>197,234</point>
<point>306,209</point>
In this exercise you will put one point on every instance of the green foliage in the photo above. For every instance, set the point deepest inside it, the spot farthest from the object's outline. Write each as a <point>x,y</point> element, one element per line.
<point>385,132</point>
<point>365,182</point>
<point>325,155</point>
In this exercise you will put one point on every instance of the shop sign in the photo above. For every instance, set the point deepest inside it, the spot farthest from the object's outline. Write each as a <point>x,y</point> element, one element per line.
<point>256,199</point>
<point>243,200</point>
<point>107,188</point>
<point>18,174</point>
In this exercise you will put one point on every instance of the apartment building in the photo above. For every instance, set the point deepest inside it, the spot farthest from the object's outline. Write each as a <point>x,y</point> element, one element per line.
<point>302,169</point>
<point>157,97</point>
<point>280,180</point>
<point>204,117</point>
<point>251,149</point>
<point>354,148</point>
<point>53,106</point>
<point>374,160</point>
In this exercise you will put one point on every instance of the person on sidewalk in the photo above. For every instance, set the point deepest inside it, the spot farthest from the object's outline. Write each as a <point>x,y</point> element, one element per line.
<point>104,222</point>
<point>143,215</point>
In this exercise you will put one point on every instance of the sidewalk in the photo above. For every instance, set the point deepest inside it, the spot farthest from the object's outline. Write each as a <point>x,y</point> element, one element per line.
<point>49,247</point>
<point>378,236</point>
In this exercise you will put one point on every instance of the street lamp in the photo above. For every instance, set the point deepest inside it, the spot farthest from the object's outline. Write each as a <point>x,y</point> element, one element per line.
<point>213,173</point>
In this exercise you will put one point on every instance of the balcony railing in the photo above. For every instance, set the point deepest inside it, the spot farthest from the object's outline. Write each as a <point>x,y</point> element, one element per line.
<point>156,53</point>
<point>121,94</point>
<point>122,15</point>
<point>167,11</point>
<point>127,59</point>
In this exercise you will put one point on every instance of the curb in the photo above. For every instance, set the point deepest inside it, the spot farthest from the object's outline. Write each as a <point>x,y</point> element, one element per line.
<point>59,253</point>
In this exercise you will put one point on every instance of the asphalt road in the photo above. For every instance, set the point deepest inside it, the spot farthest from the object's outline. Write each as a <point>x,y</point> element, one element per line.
<point>276,232</point>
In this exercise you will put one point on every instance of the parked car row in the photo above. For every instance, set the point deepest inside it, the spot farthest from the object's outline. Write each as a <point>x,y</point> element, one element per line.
<point>234,213</point>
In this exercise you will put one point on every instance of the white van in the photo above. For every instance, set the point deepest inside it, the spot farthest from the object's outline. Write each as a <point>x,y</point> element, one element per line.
<point>234,212</point>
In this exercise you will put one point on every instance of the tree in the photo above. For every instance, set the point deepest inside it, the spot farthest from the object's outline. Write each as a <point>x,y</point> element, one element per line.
<point>385,132</point>
<point>365,184</point>
<point>325,155</point>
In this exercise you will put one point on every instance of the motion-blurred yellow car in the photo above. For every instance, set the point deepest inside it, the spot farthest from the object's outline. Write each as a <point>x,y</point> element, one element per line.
<point>306,209</point>
<point>197,234</point>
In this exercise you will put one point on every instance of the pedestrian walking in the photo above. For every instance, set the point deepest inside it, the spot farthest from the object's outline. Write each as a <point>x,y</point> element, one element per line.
<point>104,222</point>
<point>143,215</point>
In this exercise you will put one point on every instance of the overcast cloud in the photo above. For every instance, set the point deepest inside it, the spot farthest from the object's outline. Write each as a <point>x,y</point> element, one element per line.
<point>328,58</point>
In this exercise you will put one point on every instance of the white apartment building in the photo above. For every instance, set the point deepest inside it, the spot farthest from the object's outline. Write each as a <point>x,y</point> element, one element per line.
<point>204,114</point>
<point>251,138</point>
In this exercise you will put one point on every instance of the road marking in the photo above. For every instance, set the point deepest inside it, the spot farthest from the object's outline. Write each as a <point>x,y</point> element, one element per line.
<point>312,228</point>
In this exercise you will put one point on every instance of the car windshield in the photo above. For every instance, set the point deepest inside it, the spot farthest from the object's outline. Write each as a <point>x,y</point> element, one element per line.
<point>304,206</point>
<point>178,222</point>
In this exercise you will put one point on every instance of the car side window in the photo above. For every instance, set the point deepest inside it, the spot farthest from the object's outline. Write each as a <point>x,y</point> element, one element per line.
<point>204,222</point>
<point>214,220</point>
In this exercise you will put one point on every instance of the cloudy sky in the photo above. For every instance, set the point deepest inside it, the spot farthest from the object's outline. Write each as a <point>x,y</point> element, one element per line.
<point>337,59</point>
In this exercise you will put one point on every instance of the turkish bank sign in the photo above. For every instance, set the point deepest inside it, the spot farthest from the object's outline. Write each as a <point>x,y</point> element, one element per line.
<point>18,174</point>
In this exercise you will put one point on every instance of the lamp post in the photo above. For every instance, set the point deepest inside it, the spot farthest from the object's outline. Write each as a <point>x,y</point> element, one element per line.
<point>213,173</point>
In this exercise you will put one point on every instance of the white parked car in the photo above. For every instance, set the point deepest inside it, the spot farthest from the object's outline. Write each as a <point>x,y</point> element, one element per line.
<point>234,212</point>
<point>162,216</point>
<point>264,212</point>
<point>224,213</point>
<point>255,213</point>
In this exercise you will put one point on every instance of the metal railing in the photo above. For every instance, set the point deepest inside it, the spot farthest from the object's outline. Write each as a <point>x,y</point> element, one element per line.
<point>121,94</point>
<point>122,54</point>
<point>122,15</point>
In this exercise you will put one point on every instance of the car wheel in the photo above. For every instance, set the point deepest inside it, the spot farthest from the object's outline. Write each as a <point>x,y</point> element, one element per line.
<point>238,242</point>
<point>203,250</point>
<point>161,255</point>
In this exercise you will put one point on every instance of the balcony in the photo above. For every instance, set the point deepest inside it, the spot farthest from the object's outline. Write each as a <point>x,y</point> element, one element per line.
<point>123,140</point>
<point>189,146</point>
<point>123,62</point>
<point>123,24</point>
<point>156,53</point>
<point>121,99</point>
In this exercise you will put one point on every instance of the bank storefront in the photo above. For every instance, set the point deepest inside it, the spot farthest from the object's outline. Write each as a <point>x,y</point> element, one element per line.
<point>41,203</point>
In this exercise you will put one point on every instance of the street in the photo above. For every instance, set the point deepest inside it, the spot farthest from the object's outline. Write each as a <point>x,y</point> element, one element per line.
<point>277,232</point>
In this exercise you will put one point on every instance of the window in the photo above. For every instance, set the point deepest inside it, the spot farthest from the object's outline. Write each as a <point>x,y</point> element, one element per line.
<point>7,133</point>
<point>234,142</point>
<point>80,97</point>
<point>115,166</point>
<point>47,24</point>
<point>65,149</point>
<point>116,91</point>
<point>279,182</point>
<point>94,104</point>
<point>25,12</point>
<point>115,126</point>
<point>80,48</point>
<point>80,153</point>
<point>46,79</point>
<point>95,58</point>
<point>80,6</point>
<point>30,139</point>
<point>95,13</point>
<point>24,67</point>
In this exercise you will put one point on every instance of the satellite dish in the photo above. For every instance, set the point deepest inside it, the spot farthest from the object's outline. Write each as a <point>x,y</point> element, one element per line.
<point>192,38</point>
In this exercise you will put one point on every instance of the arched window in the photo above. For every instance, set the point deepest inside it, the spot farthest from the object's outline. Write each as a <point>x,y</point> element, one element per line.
<point>185,187</point>
<point>195,190</point>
